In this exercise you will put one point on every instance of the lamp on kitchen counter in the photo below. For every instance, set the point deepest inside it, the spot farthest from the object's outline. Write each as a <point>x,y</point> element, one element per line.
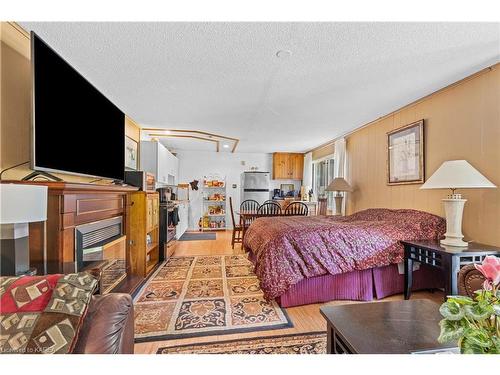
<point>455,174</point>
<point>339,185</point>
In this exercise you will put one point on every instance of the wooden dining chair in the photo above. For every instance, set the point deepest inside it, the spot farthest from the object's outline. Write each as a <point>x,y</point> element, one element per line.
<point>270,209</point>
<point>322,205</point>
<point>296,209</point>
<point>237,236</point>
<point>249,206</point>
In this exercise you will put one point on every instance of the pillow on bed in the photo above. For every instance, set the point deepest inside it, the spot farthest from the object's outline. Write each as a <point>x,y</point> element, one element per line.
<point>426,221</point>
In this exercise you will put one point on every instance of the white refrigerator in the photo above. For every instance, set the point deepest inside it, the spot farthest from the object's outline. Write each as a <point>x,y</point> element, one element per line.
<point>255,185</point>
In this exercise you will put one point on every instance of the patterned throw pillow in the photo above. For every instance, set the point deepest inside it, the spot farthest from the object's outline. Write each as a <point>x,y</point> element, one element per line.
<point>43,314</point>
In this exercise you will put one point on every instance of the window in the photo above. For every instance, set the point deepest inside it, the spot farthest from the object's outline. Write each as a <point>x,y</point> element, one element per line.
<point>322,176</point>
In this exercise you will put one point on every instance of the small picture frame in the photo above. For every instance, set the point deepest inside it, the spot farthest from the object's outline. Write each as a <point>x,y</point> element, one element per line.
<point>130,154</point>
<point>405,154</point>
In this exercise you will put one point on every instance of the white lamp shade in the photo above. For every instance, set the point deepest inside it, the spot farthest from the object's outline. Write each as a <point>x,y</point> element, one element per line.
<point>22,203</point>
<point>457,174</point>
<point>339,184</point>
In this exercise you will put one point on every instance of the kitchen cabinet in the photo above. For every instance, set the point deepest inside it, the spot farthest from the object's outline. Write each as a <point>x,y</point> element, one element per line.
<point>288,166</point>
<point>156,159</point>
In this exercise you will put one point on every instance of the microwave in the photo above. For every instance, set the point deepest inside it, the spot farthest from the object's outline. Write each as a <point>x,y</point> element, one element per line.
<point>143,180</point>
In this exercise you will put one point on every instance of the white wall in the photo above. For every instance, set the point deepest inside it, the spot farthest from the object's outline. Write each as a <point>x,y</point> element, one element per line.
<point>193,165</point>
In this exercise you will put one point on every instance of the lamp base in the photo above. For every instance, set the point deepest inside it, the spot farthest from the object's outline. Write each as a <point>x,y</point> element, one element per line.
<point>457,242</point>
<point>454,208</point>
<point>338,204</point>
<point>14,250</point>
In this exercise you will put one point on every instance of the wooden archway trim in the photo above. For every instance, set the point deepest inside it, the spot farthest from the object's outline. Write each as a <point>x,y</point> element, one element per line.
<point>216,141</point>
<point>235,140</point>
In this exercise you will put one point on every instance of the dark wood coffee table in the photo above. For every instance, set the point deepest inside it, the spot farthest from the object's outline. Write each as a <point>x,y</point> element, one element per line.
<point>398,327</point>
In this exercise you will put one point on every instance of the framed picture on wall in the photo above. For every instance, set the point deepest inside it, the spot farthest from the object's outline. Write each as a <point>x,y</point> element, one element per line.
<point>405,154</point>
<point>130,154</point>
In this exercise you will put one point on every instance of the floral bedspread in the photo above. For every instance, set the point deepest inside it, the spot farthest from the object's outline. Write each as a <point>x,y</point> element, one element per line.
<point>289,249</point>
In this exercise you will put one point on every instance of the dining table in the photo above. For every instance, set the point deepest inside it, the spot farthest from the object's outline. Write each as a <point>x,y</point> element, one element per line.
<point>248,217</point>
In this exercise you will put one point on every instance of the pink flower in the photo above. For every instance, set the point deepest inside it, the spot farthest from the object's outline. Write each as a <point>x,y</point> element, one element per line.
<point>490,268</point>
<point>487,285</point>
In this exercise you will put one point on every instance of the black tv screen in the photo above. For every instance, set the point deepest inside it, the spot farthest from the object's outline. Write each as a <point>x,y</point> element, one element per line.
<point>76,129</point>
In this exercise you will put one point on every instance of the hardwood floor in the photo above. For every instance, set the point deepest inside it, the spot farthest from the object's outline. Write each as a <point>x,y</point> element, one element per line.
<point>305,318</point>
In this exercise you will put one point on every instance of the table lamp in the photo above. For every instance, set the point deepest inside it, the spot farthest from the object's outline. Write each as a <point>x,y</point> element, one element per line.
<point>338,184</point>
<point>19,205</point>
<point>455,174</point>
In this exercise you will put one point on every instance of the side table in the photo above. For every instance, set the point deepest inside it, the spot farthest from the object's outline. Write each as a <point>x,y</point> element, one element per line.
<point>448,259</point>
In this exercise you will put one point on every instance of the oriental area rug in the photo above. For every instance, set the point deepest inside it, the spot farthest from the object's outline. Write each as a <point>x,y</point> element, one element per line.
<point>201,296</point>
<point>305,343</point>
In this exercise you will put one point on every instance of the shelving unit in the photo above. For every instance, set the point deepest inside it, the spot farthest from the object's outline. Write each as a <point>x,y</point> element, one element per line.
<point>144,232</point>
<point>213,203</point>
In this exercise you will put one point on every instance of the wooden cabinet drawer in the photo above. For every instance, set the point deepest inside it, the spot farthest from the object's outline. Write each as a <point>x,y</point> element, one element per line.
<point>85,208</point>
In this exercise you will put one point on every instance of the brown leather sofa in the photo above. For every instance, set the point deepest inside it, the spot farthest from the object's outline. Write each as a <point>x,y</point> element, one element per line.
<point>108,327</point>
<point>469,280</point>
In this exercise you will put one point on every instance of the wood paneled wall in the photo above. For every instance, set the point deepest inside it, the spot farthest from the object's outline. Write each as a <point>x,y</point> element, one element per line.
<point>15,103</point>
<point>461,122</point>
<point>321,152</point>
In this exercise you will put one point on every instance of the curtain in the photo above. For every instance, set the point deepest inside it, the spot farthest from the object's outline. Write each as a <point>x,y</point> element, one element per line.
<point>340,164</point>
<point>307,179</point>
<point>340,158</point>
<point>323,173</point>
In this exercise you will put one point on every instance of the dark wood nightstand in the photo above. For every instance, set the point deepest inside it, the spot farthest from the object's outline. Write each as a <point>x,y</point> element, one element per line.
<point>448,259</point>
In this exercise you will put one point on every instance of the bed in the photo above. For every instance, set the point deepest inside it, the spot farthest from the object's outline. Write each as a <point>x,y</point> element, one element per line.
<point>303,260</point>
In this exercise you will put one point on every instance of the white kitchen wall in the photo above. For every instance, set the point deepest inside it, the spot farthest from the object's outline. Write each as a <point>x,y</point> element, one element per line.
<point>193,165</point>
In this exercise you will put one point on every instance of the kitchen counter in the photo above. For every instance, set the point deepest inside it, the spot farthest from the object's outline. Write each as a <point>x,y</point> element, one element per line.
<point>312,205</point>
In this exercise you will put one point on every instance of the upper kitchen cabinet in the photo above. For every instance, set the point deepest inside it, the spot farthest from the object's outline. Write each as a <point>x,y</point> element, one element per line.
<point>156,159</point>
<point>288,166</point>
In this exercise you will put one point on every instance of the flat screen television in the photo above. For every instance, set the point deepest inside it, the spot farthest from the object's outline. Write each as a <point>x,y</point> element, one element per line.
<point>76,129</point>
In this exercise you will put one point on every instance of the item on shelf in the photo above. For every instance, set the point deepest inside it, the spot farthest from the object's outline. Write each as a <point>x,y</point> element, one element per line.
<point>194,184</point>
<point>311,192</point>
<point>214,184</point>
<point>213,181</point>
<point>206,221</point>
<point>216,210</point>
<point>216,197</point>
<point>143,180</point>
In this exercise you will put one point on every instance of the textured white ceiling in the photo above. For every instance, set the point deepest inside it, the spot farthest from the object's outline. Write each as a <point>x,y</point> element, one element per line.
<point>225,77</point>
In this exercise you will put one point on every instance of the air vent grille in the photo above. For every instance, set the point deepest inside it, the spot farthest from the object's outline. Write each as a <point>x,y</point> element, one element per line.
<point>100,235</point>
